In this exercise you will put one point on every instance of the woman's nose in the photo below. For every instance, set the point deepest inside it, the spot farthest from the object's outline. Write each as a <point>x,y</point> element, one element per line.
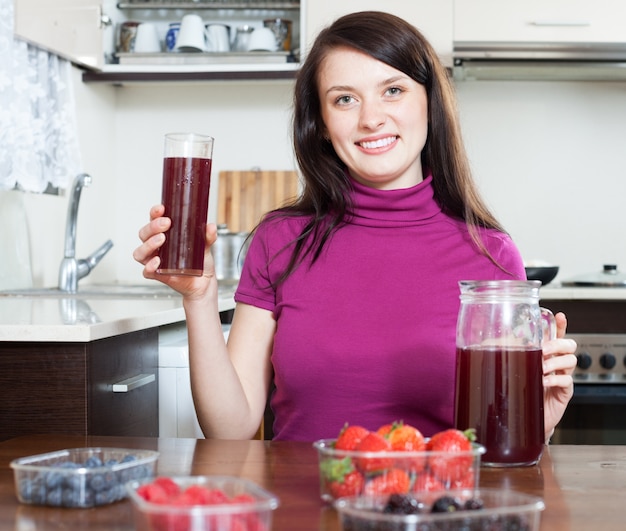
<point>372,115</point>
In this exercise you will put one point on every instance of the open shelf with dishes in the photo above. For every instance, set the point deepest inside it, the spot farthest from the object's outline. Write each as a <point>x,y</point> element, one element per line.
<point>156,4</point>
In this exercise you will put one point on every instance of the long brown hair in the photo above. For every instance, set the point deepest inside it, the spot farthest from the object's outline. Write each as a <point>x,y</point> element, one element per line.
<point>326,188</point>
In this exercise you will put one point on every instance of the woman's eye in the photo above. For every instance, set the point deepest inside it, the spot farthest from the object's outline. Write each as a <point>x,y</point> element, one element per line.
<point>343,100</point>
<point>394,91</point>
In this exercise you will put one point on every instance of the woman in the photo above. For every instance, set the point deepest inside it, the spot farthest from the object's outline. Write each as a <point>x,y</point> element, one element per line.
<point>348,299</point>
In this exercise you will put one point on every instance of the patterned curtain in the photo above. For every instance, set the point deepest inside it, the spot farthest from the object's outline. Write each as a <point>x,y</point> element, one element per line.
<point>38,135</point>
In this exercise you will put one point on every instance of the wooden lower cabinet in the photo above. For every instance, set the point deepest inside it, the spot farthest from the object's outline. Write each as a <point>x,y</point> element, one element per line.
<point>69,387</point>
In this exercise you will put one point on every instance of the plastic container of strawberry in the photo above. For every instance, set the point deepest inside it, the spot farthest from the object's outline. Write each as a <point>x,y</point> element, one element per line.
<point>243,505</point>
<point>80,477</point>
<point>500,509</point>
<point>351,473</point>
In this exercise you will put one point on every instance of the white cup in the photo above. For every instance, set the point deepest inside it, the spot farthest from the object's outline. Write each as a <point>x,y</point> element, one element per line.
<point>147,40</point>
<point>192,35</point>
<point>218,38</point>
<point>262,39</point>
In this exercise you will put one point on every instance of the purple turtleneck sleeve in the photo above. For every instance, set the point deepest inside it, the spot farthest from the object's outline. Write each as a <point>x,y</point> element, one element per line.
<point>366,334</point>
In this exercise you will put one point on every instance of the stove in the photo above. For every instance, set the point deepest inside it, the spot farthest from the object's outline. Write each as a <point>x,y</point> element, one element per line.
<point>597,322</point>
<point>601,358</point>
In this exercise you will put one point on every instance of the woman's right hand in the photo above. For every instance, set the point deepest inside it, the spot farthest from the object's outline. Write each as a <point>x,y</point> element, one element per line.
<point>153,236</point>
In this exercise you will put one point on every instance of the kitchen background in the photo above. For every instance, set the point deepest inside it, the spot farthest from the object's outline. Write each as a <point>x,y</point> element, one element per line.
<point>548,156</point>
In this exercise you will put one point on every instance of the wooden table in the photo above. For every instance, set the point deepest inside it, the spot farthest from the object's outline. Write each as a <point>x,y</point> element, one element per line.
<point>584,487</point>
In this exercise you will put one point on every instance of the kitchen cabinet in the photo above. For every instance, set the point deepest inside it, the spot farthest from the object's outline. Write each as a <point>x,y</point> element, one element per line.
<point>557,21</point>
<point>103,387</point>
<point>434,18</point>
<point>85,32</point>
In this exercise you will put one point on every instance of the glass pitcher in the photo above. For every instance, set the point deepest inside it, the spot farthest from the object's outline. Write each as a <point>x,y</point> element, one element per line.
<point>499,375</point>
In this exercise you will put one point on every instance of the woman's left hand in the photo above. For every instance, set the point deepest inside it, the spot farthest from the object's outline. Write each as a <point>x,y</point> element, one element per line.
<point>559,362</point>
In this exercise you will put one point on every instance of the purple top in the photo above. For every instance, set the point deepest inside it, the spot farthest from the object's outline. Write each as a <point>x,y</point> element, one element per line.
<point>366,335</point>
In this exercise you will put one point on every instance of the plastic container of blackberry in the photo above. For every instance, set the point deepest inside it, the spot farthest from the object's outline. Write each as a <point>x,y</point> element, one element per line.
<point>501,509</point>
<point>80,477</point>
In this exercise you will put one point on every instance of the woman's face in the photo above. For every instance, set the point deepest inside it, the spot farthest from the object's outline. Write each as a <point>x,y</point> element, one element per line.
<point>376,118</point>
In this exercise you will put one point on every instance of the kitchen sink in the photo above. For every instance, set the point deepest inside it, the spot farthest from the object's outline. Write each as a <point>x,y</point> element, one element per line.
<point>110,291</point>
<point>97,291</point>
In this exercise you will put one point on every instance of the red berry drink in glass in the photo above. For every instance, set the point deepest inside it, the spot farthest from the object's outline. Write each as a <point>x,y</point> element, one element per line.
<point>186,183</point>
<point>499,392</point>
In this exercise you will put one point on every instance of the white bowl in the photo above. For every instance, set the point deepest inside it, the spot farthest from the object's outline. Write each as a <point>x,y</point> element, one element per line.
<point>262,39</point>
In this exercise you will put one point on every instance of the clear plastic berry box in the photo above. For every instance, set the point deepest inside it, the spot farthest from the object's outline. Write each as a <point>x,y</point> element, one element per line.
<point>252,514</point>
<point>350,473</point>
<point>502,509</point>
<point>80,477</point>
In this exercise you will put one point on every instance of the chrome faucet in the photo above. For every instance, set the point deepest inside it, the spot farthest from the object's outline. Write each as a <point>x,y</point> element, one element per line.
<point>72,269</point>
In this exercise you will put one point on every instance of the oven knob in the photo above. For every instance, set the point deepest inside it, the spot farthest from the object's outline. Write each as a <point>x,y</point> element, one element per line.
<point>607,361</point>
<point>584,360</point>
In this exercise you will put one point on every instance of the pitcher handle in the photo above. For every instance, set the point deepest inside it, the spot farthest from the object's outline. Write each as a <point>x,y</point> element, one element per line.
<point>548,324</point>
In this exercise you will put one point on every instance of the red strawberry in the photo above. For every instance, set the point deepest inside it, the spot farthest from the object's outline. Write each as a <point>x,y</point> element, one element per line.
<point>350,437</point>
<point>341,478</point>
<point>385,429</point>
<point>406,438</point>
<point>426,482</point>
<point>447,468</point>
<point>394,481</point>
<point>373,442</point>
<point>350,485</point>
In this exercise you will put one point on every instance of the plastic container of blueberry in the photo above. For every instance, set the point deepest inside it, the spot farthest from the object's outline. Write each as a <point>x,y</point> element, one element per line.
<point>478,510</point>
<point>80,477</point>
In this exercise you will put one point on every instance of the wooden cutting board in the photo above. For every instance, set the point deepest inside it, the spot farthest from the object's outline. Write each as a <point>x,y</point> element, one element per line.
<point>244,196</point>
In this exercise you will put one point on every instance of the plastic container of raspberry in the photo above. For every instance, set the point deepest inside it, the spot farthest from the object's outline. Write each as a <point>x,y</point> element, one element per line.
<point>351,473</point>
<point>80,477</point>
<point>501,509</point>
<point>245,506</point>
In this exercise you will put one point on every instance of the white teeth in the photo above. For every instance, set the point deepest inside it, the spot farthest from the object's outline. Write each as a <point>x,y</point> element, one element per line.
<point>378,143</point>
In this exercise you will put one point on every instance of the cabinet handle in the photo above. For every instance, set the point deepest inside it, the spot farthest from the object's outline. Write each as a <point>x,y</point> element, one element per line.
<point>559,22</point>
<point>133,383</point>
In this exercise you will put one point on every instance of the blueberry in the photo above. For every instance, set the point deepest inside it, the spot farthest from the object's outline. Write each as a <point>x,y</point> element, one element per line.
<point>53,479</point>
<point>54,497</point>
<point>129,458</point>
<point>97,482</point>
<point>93,462</point>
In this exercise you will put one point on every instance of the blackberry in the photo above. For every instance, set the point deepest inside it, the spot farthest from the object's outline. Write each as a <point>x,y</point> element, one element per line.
<point>446,504</point>
<point>403,504</point>
<point>473,504</point>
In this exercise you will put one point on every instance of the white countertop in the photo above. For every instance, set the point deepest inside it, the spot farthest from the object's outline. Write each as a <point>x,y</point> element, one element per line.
<point>556,291</point>
<point>88,318</point>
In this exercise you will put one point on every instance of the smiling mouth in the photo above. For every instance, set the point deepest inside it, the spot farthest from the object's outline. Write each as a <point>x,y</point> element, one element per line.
<point>382,142</point>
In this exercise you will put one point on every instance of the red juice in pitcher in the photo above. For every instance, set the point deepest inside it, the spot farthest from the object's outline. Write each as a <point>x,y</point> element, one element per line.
<point>185,195</point>
<point>499,392</point>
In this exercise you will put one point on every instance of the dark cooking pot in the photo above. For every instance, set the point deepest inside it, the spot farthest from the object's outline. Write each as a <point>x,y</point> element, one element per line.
<point>609,277</point>
<point>229,252</point>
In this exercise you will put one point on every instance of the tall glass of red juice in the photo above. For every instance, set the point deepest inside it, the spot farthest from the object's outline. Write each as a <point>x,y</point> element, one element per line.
<point>185,195</point>
<point>499,369</point>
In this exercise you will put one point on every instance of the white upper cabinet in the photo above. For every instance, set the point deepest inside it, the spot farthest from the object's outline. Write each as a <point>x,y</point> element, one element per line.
<point>549,21</point>
<point>75,29</point>
<point>433,18</point>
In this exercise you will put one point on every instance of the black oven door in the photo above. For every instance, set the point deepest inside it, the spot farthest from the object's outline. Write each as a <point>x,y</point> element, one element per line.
<point>595,415</point>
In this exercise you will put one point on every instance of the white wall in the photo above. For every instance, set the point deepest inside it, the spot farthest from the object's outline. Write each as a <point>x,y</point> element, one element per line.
<point>548,158</point>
